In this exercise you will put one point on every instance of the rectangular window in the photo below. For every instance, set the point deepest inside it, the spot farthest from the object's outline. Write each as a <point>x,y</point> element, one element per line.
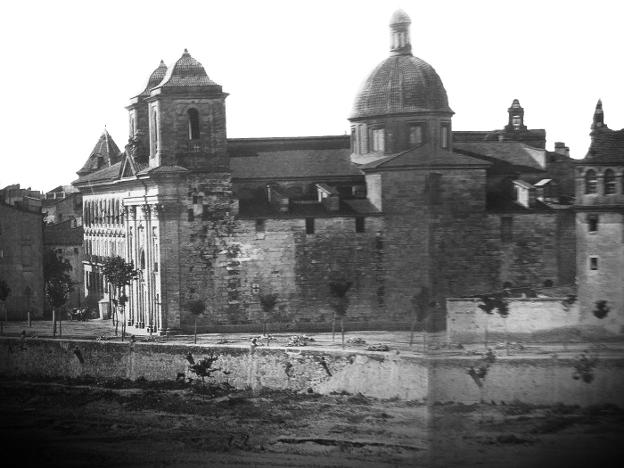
<point>353,142</point>
<point>593,263</point>
<point>506,229</point>
<point>360,224</point>
<point>444,136</point>
<point>592,223</point>
<point>363,139</point>
<point>378,139</point>
<point>415,134</point>
<point>309,225</point>
<point>191,214</point>
<point>260,225</point>
<point>434,189</point>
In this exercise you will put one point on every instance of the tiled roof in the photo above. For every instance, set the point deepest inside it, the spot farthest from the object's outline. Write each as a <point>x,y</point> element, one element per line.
<point>106,149</point>
<point>607,147</point>
<point>509,152</point>
<point>424,156</point>
<point>186,72</point>
<point>103,175</point>
<point>62,234</point>
<point>155,78</point>
<point>294,163</point>
<point>399,84</point>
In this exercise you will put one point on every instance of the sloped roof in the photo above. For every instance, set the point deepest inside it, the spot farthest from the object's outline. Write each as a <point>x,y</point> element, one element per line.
<point>104,153</point>
<point>510,152</point>
<point>294,163</point>
<point>607,147</point>
<point>424,156</point>
<point>103,175</point>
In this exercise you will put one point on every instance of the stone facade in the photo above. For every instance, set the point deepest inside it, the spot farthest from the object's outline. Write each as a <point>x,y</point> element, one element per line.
<point>600,227</point>
<point>394,211</point>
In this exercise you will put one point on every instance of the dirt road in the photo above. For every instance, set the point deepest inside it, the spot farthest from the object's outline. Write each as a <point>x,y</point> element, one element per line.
<point>126,424</point>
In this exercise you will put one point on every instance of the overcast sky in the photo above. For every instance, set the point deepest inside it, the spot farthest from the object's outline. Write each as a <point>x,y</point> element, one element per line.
<point>293,67</point>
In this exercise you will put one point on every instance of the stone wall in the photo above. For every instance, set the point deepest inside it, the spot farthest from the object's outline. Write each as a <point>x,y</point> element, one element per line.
<point>539,247</point>
<point>21,261</point>
<point>605,282</point>
<point>529,379</point>
<point>467,323</point>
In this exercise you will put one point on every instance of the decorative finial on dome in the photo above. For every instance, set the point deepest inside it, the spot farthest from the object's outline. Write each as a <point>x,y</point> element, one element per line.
<point>162,62</point>
<point>186,52</point>
<point>399,33</point>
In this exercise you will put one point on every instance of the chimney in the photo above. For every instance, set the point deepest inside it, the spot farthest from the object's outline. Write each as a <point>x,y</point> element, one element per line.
<point>561,148</point>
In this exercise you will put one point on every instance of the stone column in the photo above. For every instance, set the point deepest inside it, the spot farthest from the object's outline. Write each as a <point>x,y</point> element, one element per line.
<point>147,305</point>
<point>131,223</point>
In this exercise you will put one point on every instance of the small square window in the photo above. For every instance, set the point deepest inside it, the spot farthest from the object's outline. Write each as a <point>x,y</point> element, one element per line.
<point>309,223</point>
<point>360,224</point>
<point>593,263</point>
<point>592,223</point>
<point>260,225</point>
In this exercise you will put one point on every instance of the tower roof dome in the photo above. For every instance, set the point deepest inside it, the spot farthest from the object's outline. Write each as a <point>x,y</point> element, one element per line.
<point>400,17</point>
<point>186,72</point>
<point>156,77</point>
<point>401,83</point>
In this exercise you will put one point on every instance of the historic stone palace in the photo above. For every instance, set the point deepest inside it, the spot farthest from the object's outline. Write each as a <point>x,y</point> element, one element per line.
<point>404,207</point>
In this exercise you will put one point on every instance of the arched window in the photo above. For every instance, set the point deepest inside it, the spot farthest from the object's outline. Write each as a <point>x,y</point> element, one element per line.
<point>591,181</point>
<point>155,128</point>
<point>609,182</point>
<point>193,124</point>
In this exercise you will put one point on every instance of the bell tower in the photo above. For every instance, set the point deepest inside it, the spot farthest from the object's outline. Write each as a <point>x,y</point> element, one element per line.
<point>516,118</point>
<point>186,115</point>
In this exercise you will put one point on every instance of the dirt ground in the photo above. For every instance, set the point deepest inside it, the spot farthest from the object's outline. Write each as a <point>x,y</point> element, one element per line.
<point>75,423</point>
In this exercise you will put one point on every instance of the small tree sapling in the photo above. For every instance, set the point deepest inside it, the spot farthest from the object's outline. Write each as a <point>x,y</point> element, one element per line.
<point>196,307</point>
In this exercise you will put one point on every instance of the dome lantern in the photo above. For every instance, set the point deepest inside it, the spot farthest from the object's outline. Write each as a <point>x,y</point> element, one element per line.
<point>399,33</point>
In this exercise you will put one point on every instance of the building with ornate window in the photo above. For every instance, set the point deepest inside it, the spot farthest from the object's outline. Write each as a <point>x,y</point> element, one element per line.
<point>599,210</point>
<point>402,206</point>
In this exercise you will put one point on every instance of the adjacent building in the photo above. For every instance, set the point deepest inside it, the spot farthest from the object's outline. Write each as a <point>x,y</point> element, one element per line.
<point>600,226</point>
<point>21,258</point>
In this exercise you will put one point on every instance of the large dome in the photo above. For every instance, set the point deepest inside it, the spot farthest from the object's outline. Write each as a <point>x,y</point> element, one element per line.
<point>400,84</point>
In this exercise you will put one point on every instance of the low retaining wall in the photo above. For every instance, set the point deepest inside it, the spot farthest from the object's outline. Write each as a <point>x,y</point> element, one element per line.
<point>467,323</point>
<point>536,380</point>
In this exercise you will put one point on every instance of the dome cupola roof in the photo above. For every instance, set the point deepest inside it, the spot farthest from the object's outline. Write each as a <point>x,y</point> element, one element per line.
<point>401,83</point>
<point>186,72</point>
<point>155,78</point>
